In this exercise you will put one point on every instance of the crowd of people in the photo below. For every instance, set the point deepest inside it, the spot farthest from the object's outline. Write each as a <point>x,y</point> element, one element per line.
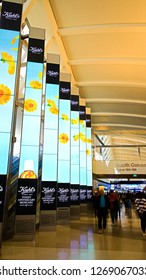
<point>111,203</point>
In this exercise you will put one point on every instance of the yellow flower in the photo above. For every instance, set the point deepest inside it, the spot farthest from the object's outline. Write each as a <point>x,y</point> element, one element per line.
<point>51,103</point>
<point>76,137</point>
<point>63,138</point>
<point>81,121</point>
<point>10,60</point>
<point>64,117</point>
<point>54,110</point>
<point>5,94</point>
<point>14,49</point>
<point>6,57</point>
<point>74,121</point>
<point>89,140</point>
<point>81,134</point>
<point>40,76</point>
<point>35,85</point>
<point>11,68</point>
<point>30,105</point>
<point>87,152</point>
<point>82,137</point>
<point>14,40</point>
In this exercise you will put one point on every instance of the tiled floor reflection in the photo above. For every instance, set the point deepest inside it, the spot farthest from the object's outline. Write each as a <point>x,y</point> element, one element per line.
<point>80,241</point>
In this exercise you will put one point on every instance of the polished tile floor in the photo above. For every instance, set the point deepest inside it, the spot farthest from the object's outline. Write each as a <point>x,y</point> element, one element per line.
<point>80,241</point>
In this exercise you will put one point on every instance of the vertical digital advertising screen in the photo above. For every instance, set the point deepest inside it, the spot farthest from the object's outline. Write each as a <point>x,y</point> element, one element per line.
<point>63,194</point>
<point>89,155</point>
<point>75,152</point>
<point>83,160</point>
<point>30,138</point>
<point>50,142</point>
<point>10,22</point>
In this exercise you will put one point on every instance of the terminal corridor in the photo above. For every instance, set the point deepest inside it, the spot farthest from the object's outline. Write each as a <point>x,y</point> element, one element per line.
<point>80,241</point>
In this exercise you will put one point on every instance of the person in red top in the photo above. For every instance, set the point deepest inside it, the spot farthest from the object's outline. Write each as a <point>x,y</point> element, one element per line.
<point>113,201</point>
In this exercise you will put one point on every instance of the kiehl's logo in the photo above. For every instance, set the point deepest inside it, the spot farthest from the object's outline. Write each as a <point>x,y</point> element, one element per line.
<point>74,102</point>
<point>52,73</point>
<point>10,15</point>
<point>35,50</point>
<point>82,112</point>
<point>65,90</point>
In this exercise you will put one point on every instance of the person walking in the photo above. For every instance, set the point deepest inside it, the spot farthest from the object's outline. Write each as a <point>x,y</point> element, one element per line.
<point>102,205</point>
<point>113,201</point>
<point>140,203</point>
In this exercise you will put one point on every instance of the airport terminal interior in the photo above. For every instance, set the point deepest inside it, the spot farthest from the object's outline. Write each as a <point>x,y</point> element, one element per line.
<point>73,121</point>
<point>80,241</point>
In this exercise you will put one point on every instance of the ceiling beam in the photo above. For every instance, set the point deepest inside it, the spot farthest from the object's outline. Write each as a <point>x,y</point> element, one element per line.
<point>103,125</point>
<point>101,28</point>
<point>108,60</point>
<point>48,44</point>
<point>110,84</point>
<point>117,114</point>
<point>53,23</point>
<point>113,100</point>
<point>120,146</point>
<point>28,8</point>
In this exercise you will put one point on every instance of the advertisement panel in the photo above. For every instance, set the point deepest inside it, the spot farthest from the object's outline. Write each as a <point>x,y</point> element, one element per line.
<point>10,22</point>
<point>50,142</point>
<point>30,143</point>
<point>89,155</point>
<point>64,145</point>
<point>83,160</point>
<point>11,14</point>
<point>75,152</point>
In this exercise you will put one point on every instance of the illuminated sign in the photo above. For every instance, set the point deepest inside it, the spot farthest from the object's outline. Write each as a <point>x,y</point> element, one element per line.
<point>83,165</point>
<point>48,196</point>
<point>11,16</point>
<point>30,139</point>
<point>75,151</point>
<point>89,157</point>
<point>64,145</point>
<point>10,22</point>
<point>9,41</point>
<point>50,143</point>
<point>26,197</point>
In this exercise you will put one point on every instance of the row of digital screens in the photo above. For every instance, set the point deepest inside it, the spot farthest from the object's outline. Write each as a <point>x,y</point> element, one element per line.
<point>9,42</point>
<point>31,120</point>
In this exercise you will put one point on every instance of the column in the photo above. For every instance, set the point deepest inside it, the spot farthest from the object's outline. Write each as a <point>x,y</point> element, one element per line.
<point>10,24</point>
<point>63,193</point>
<point>29,168</point>
<point>75,156</point>
<point>83,159</point>
<point>89,160</point>
<point>50,142</point>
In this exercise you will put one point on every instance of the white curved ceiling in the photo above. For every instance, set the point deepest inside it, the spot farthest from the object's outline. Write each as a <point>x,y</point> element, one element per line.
<point>103,45</point>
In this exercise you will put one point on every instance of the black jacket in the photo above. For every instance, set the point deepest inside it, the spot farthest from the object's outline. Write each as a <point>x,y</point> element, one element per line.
<point>98,202</point>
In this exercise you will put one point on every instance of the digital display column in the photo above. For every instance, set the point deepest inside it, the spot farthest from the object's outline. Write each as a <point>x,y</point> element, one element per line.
<point>75,155</point>
<point>50,142</point>
<point>89,155</point>
<point>30,140</point>
<point>10,22</point>
<point>83,160</point>
<point>63,194</point>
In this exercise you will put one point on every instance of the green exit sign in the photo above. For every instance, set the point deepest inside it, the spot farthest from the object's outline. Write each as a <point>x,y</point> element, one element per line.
<point>134,175</point>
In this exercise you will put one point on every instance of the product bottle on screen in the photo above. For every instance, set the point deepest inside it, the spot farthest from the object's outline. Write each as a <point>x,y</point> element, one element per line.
<point>28,172</point>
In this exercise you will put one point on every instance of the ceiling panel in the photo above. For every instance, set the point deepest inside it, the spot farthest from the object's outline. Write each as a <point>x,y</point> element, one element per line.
<point>103,46</point>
